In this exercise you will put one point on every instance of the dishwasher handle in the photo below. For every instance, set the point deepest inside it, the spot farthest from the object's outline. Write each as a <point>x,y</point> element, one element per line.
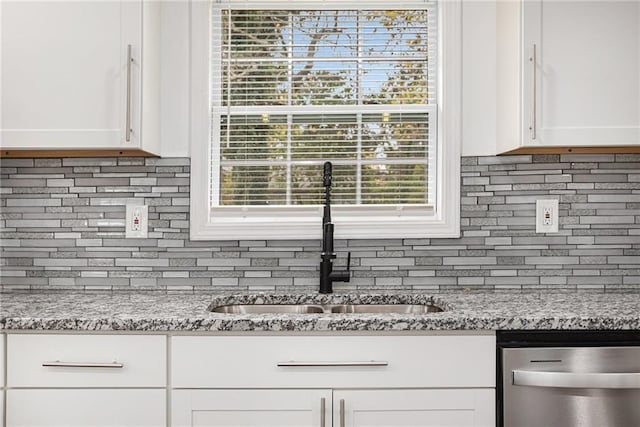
<point>614,380</point>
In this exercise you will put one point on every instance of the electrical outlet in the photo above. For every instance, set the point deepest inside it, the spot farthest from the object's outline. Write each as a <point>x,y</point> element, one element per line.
<point>547,216</point>
<point>136,223</point>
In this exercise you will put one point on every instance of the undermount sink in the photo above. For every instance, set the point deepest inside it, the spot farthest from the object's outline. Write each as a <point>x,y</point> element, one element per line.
<point>268,308</point>
<point>327,308</point>
<point>386,308</point>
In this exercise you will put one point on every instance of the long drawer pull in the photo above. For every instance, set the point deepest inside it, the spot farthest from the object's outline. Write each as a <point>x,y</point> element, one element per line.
<point>58,364</point>
<point>613,380</point>
<point>293,363</point>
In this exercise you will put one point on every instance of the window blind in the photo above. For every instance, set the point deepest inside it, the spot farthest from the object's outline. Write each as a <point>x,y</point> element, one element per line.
<point>294,87</point>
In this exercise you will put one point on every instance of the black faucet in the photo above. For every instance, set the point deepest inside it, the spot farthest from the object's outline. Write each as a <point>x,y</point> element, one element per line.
<point>327,275</point>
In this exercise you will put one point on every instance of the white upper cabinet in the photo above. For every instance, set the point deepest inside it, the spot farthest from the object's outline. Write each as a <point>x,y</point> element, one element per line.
<point>568,74</point>
<point>72,75</point>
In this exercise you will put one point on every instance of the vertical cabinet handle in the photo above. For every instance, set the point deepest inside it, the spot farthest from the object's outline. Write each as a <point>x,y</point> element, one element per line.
<point>323,415</point>
<point>128,114</point>
<point>534,105</point>
<point>342,423</point>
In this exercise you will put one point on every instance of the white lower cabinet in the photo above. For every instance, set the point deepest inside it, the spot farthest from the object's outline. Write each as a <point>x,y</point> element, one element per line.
<point>284,380</point>
<point>2,338</point>
<point>256,408</point>
<point>343,408</point>
<point>86,380</point>
<point>360,381</point>
<point>83,408</point>
<point>424,408</point>
<point>333,361</point>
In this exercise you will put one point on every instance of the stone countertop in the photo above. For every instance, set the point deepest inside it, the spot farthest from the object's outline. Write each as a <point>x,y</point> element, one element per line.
<point>163,311</point>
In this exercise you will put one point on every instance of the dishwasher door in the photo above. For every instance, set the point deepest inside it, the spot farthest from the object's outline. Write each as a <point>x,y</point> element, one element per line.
<point>571,386</point>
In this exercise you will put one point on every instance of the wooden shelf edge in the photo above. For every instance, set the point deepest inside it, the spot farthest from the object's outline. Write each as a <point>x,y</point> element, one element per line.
<point>13,154</point>
<point>573,150</point>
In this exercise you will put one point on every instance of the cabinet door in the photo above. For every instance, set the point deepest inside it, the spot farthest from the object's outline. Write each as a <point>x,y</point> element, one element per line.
<point>256,408</point>
<point>2,369</point>
<point>415,408</point>
<point>582,85</point>
<point>64,74</point>
<point>2,353</point>
<point>82,408</point>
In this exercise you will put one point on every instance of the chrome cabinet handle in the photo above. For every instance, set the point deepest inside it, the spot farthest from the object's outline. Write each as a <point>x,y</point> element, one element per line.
<point>128,115</point>
<point>323,408</point>
<point>576,379</point>
<point>533,60</point>
<point>58,364</point>
<point>342,423</point>
<point>293,363</point>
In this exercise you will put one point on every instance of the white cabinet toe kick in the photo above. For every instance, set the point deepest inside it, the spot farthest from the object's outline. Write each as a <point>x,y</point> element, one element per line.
<point>250,380</point>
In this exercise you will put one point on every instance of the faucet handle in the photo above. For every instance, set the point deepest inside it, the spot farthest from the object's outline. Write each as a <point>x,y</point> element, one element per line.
<point>347,273</point>
<point>342,275</point>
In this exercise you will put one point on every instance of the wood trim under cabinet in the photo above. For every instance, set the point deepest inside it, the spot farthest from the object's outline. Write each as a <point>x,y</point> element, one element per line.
<point>73,153</point>
<point>630,149</point>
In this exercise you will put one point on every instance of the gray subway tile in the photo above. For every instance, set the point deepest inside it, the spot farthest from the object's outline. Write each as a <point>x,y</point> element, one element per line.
<point>552,260</point>
<point>20,163</point>
<point>587,158</point>
<point>500,160</point>
<point>33,223</point>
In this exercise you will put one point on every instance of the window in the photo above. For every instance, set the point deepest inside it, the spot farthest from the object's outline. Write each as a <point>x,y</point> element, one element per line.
<point>291,85</point>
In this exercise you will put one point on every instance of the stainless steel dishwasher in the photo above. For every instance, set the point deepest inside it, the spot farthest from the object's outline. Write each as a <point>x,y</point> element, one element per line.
<point>587,382</point>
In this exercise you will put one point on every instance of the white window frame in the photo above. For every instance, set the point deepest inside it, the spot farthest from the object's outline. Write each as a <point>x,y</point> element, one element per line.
<point>352,222</point>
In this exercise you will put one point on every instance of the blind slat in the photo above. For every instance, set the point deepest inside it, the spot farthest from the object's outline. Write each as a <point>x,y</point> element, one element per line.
<point>331,59</point>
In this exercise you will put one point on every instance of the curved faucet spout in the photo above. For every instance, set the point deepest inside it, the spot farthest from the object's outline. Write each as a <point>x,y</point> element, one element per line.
<point>327,275</point>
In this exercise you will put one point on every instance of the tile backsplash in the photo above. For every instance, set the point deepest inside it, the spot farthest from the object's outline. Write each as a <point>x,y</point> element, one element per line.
<point>62,226</point>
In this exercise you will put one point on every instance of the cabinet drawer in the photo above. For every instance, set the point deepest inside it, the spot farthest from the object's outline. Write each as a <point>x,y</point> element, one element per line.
<point>82,408</point>
<point>333,361</point>
<point>86,361</point>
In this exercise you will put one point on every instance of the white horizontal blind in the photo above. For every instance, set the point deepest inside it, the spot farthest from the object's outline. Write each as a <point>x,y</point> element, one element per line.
<point>297,85</point>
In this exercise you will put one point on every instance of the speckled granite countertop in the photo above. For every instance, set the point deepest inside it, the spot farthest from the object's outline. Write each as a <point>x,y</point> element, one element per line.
<point>161,311</point>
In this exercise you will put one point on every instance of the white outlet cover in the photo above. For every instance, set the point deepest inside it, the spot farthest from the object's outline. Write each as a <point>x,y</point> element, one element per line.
<point>543,206</point>
<point>141,229</point>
